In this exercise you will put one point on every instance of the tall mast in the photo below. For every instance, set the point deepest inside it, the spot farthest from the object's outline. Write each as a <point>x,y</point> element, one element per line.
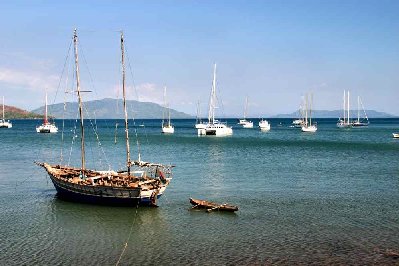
<point>198,120</point>
<point>348,109</point>
<point>128,162</point>
<point>306,110</point>
<point>82,141</point>
<point>165,106</point>
<point>211,115</point>
<point>310,108</point>
<point>3,108</point>
<point>344,106</point>
<point>246,107</point>
<point>45,112</point>
<point>358,109</point>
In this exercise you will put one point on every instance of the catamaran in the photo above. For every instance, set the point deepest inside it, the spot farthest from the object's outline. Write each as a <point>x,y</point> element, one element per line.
<point>167,127</point>
<point>3,122</point>
<point>214,127</point>
<point>244,122</point>
<point>308,127</point>
<point>365,121</point>
<point>46,127</point>
<point>142,183</point>
<point>345,121</point>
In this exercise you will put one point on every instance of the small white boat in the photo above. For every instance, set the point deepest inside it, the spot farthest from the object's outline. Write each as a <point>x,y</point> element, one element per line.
<point>3,122</point>
<point>297,123</point>
<point>248,124</point>
<point>395,135</point>
<point>244,122</point>
<point>46,127</point>
<point>264,125</point>
<point>167,127</point>
<point>214,127</point>
<point>308,127</point>
<point>311,128</point>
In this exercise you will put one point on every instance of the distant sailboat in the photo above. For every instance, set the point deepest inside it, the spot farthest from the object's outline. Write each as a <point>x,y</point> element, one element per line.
<point>3,122</point>
<point>298,123</point>
<point>244,122</point>
<point>214,127</point>
<point>308,127</point>
<point>360,123</point>
<point>345,121</point>
<point>167,127</point>
<point>198,122</point>
<point>46,127</point>
<point>264,125</point>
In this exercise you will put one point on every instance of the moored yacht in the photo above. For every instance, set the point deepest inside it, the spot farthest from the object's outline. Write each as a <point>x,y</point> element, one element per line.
<point>3,122</point>
<point>46,127</point>
<point>214,127</point>
<point>308,126</point>
<point>264,125</point>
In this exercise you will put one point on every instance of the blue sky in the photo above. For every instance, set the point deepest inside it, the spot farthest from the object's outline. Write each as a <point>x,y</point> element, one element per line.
<point>272,51</point>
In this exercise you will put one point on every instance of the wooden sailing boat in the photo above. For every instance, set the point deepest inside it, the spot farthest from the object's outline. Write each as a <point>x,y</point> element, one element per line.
<point>308,126</point>
<point>3,122</point>
<point>166,127</point>
<point>142,182</point>
<point>46,127</point>
<point>214,127</point>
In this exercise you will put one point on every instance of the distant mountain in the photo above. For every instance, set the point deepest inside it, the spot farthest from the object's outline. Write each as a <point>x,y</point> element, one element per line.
<point>337,114</point>
<point>111,109</point>
<point>11,112</point>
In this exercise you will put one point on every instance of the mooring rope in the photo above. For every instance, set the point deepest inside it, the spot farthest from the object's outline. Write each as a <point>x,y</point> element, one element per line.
<point>128,238</point>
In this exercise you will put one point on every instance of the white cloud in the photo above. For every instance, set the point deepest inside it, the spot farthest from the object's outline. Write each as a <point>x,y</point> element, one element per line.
<point>31,80</point>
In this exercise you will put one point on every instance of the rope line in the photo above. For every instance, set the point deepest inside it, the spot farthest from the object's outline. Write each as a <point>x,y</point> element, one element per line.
<point>128,238</point>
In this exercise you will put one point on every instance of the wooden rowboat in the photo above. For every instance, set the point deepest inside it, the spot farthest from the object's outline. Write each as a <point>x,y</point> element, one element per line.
<point>212,206</point>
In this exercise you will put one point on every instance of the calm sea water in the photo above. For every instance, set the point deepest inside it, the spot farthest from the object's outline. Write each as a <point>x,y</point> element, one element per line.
<point>326,198</point>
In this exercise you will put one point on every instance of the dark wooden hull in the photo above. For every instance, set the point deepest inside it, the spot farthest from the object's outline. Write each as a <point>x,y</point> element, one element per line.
<point>101,195</point>
<point>203,204</point>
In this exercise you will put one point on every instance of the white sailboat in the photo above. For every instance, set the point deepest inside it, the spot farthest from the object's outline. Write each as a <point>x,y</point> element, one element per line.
<point>3,122</point>
<point>345,121</point>
<point>308,127</point>
<point>167,127</point>
<point>264,125</point>
<point>360,123</point>
<point>46,127</point>
<point>214,127</point>
<point>198,123</point>
<point>244,122</point>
